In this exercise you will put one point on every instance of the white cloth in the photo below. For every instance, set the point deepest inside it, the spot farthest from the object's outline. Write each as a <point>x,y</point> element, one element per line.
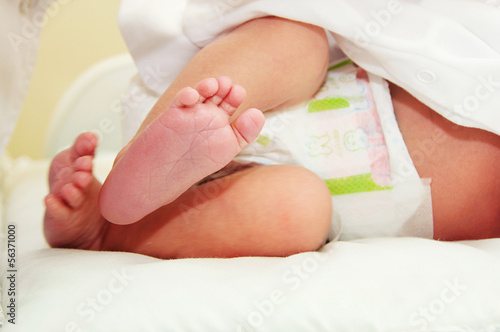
<point>20,27</point>
<point>444,52</point>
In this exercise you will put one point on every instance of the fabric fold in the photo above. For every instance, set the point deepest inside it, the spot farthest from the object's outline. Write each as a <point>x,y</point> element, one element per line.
<point>446,53</point>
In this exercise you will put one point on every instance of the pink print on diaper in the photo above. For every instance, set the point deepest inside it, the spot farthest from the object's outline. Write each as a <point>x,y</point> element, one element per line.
<point>368,121</point>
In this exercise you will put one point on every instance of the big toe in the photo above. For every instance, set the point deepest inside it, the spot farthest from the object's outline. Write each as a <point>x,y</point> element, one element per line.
<point>248,126</point>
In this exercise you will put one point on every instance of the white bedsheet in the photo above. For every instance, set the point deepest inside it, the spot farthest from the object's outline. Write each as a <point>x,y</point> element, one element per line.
<point>381,284</point>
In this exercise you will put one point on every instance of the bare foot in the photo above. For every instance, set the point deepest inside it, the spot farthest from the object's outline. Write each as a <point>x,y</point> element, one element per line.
<point>190,140</point>
<point>72,216</point>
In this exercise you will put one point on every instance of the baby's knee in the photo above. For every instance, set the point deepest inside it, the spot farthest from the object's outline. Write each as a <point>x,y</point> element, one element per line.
<point>305,210</point>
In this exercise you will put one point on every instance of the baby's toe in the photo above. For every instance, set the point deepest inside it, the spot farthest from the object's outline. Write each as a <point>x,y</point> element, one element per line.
<point>233,99</point>
<point>84,163</point>
<point>223,87</point>
<point>82,179</point>
<point>207,88</point>
<point>248,126</point>
<point>56,209</point>
<point>85,144</point>
<point>72,195</point>
<point>186,97</point>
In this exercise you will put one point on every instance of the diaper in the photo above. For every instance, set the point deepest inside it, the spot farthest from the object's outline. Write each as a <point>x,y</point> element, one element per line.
<point>348,135</point>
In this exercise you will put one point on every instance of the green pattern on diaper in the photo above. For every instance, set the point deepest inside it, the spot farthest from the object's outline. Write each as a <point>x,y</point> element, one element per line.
<point>354,184</point>
<point>263,140</point>
<point>318,146</point>
<point>327,104</point>
<point>340,64</point>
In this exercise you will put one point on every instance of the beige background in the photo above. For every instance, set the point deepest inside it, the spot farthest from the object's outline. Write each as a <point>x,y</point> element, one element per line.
<point>82,33</point>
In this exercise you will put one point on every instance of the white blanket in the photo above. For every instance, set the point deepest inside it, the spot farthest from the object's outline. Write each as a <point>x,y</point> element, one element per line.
<point>445,52</point>
<point>399,284</point>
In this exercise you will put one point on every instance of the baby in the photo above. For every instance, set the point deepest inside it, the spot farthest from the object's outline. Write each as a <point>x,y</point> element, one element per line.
<point>150,203</point>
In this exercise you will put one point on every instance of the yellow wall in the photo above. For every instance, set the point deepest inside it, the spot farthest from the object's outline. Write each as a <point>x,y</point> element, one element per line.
<point>82,33</point>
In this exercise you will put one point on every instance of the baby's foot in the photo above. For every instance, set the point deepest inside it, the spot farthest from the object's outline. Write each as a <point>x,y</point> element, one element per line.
<point>190,140</point>
<point>72,216</point>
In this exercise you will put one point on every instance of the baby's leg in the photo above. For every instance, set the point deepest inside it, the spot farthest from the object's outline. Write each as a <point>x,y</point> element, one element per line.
<point>190,140</point>
<point>72,217</point>
<point>252,57</point>
<point>463,165</point>
<point>261,211</point>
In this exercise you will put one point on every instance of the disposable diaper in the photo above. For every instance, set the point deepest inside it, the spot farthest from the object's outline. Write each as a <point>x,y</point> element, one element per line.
<point>347,134</point>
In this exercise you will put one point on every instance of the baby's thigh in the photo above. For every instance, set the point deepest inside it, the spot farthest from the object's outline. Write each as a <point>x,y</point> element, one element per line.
<point>463,165</point>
